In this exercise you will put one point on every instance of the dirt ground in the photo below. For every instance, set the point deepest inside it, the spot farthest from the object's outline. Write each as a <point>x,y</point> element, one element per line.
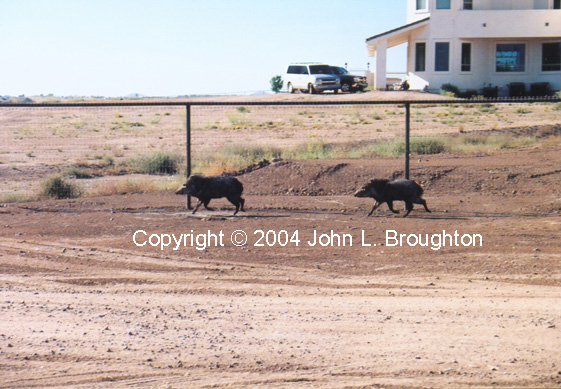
<point>83,305</point>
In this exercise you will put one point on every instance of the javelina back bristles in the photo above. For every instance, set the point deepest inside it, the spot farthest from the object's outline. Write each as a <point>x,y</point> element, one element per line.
<point>386,191</point>
<point>215,187</point>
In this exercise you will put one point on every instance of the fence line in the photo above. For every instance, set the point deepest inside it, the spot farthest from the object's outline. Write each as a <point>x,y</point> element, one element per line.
<point>406,104</point>
<point>280,103</point>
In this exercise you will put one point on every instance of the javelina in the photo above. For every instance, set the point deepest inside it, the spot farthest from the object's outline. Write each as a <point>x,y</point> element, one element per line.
<point>386,191</point>
<point>207,188</point>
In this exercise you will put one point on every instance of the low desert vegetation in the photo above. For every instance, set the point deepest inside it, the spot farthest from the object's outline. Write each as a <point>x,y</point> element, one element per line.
<point>110,150</point>
<point>126,186</point>
<point>239,156</point>
<point>17,197</point>
<point>59,188</point>
<point>234,157</point>
<point>158,162</point>
<point>429,145</point>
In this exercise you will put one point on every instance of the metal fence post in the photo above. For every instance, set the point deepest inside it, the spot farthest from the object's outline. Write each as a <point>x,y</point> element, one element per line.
<point>407,131</point>
<point>188,147</point>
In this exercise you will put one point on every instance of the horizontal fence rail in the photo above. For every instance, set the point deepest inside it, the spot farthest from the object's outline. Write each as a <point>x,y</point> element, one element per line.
<point>279,103</point>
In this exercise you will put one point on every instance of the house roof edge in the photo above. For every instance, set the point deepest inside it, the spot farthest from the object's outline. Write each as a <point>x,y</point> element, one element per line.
<point>418,22</point>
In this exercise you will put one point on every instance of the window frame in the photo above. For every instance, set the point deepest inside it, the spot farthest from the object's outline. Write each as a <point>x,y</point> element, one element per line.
<point>449,5</point>
<point>426,6</point>
<point>555,4</point>
<point>462,58</point>
<point>466,3</point>
<point>436,52</point>
<point>424,57</point>
<point>558,43</point>
<point>525,64</point>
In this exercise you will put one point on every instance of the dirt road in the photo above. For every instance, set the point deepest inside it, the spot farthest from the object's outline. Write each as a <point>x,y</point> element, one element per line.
<point>86,302</point>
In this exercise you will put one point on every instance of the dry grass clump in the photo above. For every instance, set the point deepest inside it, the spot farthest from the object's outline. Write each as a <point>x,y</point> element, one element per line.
<point>17,197</point>
<point>233,157</point>
<point>136,184</point>
<point>126,186</point>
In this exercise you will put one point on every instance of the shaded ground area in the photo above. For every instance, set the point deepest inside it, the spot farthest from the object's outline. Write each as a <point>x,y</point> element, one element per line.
<point>83,306</point>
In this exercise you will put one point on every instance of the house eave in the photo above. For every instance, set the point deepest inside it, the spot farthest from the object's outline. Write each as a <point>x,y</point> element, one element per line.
<point>395,36</point>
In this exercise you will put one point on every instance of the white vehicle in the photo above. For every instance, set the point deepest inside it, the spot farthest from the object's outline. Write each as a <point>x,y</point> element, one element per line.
<point>312,77</point>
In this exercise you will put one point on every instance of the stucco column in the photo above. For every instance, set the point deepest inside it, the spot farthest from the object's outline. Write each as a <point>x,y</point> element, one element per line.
<point>381,60</point>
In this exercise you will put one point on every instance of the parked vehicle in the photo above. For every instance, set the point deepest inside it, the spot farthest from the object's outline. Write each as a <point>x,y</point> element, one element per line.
<point>349,82</point>
<point>312,77</point>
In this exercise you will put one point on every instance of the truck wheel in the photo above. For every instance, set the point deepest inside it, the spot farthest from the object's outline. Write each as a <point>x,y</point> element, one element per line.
<point>346,87</point>
<point>311,89</point>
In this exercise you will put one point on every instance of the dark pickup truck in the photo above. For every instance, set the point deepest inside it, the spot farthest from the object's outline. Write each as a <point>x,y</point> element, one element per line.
<point>349,82</point>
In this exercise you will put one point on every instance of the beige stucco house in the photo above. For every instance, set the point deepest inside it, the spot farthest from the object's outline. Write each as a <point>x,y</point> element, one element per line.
<point>475,44</point>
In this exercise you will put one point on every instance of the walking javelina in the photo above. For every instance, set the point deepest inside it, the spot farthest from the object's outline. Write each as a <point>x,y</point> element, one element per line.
<point>385,191</point>
<point>207,188</point>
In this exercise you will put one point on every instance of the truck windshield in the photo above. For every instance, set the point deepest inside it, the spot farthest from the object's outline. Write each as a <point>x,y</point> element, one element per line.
<point>339,71</point>
<point>320,69</point>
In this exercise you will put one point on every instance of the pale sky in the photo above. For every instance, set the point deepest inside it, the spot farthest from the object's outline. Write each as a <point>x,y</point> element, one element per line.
<point>181,47</point>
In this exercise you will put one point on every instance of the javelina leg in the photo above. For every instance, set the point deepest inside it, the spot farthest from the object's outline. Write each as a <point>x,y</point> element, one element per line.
<point>409,207</point>
<point>390,206</point>
<point>374,208</point>
<point>423,203</point>
<point>197,207</point>
<point>242,202</point>
<point>238,202</point>
<point>206,205</point>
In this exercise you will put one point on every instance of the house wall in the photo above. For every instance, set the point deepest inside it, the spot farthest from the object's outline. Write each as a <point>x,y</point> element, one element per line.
<point>456,26</point>
<point>483,72</point>
<point>508,23</point>
<point>478,5</point>
<point>509,4</point>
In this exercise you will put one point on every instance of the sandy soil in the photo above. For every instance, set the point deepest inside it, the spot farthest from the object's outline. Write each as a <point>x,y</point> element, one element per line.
<point>83,306</point>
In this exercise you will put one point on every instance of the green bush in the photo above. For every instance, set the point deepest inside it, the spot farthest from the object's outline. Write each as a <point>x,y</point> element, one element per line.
<point>276,83</point>
<point>158,162</point>
<point>426,146</point>
<point>468,94</point>
<point>56,187</point>
<point>446,89</point>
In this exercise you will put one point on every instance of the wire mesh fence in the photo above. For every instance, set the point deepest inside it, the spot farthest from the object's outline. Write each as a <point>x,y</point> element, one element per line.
<point>68,150</point>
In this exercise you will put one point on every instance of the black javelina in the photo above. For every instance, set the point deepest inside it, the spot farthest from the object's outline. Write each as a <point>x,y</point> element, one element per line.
<point>386,191</point>
<point>207,188</point>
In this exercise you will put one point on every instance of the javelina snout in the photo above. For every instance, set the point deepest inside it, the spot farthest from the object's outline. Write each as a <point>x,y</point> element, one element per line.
<point>386,191</point>
<point>215,187</point>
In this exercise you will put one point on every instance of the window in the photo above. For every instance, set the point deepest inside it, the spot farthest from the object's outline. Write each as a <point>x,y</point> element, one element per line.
<point>442,4</point>
<point>468,4</point>
<point>511,57</point>
<point>421,5</point>
<point>466,57</point>
<point>442,57</point>
<point>556,4</point>
<point>551,57</point>
<point>420,56</point>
